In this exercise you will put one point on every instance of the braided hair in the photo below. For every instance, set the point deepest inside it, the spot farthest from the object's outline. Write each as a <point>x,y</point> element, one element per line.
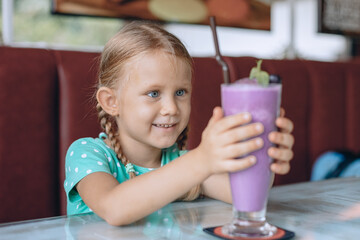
<point>132,41</point>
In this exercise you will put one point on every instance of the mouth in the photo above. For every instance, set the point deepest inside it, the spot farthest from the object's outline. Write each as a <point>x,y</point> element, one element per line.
<point>164,125</point>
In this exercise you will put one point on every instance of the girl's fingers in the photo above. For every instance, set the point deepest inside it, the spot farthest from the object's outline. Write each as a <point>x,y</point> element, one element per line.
<point>282,160</point>
<point>281,154</point>
<point>285,124</point>
<point>217,115</point>
<point>280,167</point>
<point>233,121</point>
<point>240,149</point>
<point>282,139</point>
<point>234,165</point>
<point>282,112</point>
<point>241,133</point>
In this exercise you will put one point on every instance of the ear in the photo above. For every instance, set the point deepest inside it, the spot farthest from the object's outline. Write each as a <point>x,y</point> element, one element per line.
<point>108,101</point>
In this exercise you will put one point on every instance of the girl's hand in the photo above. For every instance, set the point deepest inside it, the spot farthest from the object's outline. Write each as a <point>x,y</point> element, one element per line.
<point>222,142</point>
<point>282,154</point>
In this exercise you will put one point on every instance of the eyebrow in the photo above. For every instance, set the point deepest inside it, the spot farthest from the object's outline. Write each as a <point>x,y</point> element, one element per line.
<point>155,86</point>
<point>187,84</point>
<point>158,86</point>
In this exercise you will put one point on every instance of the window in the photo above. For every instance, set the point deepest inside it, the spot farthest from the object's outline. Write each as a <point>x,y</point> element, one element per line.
<point>35,25</point>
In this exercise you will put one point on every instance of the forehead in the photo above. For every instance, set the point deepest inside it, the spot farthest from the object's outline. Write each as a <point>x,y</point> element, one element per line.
<point>159,66</point>
<point>167,60</point>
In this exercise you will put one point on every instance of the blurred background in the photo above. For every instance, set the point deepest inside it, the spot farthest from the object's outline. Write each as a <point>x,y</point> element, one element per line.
<point>294,31</point>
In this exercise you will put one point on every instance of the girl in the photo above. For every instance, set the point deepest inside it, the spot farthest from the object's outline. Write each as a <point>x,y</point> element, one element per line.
<point>144,107</point>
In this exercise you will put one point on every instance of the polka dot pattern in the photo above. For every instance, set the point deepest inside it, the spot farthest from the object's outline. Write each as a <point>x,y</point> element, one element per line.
<point>86,156</point>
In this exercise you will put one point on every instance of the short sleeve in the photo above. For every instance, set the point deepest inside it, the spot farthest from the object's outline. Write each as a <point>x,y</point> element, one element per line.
<point>171,153</point>
<point>84,157</point>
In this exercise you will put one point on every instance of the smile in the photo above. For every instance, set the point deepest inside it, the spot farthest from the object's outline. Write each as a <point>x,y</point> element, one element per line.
<point>164,125</point>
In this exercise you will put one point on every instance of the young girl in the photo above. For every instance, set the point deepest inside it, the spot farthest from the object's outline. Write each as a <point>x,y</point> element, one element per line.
<point>144,107</point>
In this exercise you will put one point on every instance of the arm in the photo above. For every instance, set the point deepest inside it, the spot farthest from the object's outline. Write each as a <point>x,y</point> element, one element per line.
<point>217,186</point>
<point>124,203</point>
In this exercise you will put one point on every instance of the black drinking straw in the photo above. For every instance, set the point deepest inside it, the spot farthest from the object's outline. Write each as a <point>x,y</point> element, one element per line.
<point>218,56</point>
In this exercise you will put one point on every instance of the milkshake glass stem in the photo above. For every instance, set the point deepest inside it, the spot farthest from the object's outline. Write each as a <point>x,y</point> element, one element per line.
<point>249,225</point>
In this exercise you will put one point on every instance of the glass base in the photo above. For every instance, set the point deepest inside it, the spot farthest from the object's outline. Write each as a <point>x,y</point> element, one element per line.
<point>249,225</point>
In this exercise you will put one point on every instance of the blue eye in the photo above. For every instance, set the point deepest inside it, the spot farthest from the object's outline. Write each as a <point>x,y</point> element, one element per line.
<point>153,94</point>
<point>180,92</point>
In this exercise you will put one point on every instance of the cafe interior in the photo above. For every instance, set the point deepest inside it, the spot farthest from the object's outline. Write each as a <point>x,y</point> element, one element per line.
<point>48,70</point>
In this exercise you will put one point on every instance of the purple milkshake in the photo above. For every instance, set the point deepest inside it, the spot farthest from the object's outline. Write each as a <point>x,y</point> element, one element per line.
<point>250,187</point>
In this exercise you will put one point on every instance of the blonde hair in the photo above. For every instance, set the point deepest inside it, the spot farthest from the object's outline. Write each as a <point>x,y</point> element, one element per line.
<point>133,40</point>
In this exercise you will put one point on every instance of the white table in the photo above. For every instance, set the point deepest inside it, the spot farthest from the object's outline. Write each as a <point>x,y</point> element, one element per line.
<point>313,210</point>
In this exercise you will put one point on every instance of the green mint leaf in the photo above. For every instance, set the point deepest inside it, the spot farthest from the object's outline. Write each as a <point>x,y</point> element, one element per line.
<point>262,77</point>
<point>253,73</point>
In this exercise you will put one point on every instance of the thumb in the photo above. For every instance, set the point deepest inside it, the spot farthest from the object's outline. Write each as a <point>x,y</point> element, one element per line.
<point>216,116</point>
<point>282,112</point>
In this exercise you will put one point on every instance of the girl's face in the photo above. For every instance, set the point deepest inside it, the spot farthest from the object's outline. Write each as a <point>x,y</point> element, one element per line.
<point>154,103</point>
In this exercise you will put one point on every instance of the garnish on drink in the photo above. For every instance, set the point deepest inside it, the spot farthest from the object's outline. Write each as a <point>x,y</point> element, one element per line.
<point>261,77</point>
<point>256,77</point>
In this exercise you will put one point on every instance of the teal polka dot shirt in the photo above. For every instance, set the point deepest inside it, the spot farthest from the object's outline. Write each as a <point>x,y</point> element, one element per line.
<point>89,155</point>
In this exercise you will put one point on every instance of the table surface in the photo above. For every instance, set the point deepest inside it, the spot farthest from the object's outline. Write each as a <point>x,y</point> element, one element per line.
<point>313,210</point>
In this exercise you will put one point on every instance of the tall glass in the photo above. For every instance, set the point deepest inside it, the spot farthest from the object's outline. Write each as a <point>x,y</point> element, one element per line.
<point>250,187</point>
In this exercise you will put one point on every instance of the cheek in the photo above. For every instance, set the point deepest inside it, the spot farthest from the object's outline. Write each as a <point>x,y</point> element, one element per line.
<point>134,109</point>
<point>186,109</point>
<point>137,117</point>
<point>144,112</point>
<point>147,113</point>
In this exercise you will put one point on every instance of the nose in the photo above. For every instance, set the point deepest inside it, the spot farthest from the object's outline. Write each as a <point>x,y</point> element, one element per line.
<point>169,107</point>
